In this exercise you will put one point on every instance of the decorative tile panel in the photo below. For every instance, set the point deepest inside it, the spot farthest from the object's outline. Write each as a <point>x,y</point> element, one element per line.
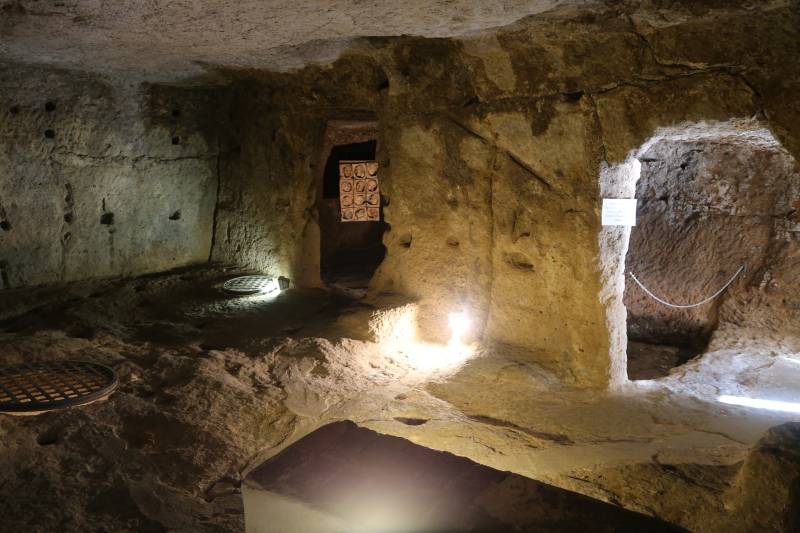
<point>359,191</point>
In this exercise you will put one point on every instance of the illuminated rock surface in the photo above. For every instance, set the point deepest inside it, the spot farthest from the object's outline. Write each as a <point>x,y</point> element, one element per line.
<point>212,385</point>
<point>137,138</point>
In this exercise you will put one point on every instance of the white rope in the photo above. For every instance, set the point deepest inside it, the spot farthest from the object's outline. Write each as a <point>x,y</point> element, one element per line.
<point>688,306</point>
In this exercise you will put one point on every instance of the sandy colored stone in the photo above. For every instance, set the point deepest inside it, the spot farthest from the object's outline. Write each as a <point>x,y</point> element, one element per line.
<point>495,150</point>
<point>764,495</point>
<point>211,385</point>
<point>713,207</point>
<point>110,193</point>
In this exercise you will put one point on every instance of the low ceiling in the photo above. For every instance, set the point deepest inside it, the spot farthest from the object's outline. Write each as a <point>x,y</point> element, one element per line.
<point>173,39</point>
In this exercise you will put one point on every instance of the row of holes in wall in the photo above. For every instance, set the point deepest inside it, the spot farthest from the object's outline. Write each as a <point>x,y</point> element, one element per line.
<point>51,134</point>
<point>516,260</point>
<point>51,106</point>
<point>106,219</point>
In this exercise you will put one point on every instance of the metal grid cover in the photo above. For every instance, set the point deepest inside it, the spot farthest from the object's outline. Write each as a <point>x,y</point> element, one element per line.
<point>45,386</point>
<point>250,284</point>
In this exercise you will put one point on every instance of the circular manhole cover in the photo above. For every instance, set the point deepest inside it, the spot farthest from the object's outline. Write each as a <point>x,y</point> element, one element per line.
<point>35,387</point>
<point>250,284</point>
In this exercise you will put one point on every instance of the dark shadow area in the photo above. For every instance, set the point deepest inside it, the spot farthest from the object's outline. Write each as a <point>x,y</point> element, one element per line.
<point>346,152</point>
<point>188,307</point>
<point>350,252</point>
<point>341,474</point>
<point>651,361</point>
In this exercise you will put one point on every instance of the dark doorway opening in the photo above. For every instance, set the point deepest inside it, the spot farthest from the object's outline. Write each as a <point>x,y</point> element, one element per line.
<point>703,215</point>
<point>345,152</point>
<point>350,252</point>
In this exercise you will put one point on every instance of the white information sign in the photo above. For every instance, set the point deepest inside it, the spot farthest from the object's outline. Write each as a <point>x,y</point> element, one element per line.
<point>619,212</point>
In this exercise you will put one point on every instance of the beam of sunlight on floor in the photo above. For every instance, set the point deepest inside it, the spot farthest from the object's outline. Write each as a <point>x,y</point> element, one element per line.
<point>790,359</point>
<point>758,403</point>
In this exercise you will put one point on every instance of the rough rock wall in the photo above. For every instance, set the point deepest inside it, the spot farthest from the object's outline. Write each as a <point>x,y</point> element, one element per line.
<point>491,151</point>
<point>266,198</point>
<point>101,180</point>
<point>706,209</point>
<point>766,493</point>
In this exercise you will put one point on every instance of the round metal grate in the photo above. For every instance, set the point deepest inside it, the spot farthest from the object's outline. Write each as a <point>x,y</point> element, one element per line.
<point>250,284</point>
<point>36,387</point>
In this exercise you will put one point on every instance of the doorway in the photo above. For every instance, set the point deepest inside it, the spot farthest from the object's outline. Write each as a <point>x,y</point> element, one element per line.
<point>351,251</point>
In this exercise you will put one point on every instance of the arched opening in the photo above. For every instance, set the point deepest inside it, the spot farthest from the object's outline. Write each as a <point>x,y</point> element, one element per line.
<point>712,199</point>
<point>350,251</point>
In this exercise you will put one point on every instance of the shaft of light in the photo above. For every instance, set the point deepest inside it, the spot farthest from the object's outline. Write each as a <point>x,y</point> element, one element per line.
<point>757,403</point>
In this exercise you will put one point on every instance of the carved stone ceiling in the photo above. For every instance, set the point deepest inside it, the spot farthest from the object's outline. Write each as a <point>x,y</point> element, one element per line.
<point>178,39</point>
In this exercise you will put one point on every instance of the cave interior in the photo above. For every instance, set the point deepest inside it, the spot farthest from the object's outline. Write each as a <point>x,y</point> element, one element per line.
<point>278,267</point>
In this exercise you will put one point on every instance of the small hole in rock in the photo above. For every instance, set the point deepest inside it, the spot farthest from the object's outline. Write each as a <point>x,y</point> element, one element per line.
<point>176,113</point>
<point>107,219</point>
<point>68,218</point>
<point>574,96</point>
<point>176,140</point>
<point>383,85</point>
<point>5,225</point>
<point>519,261</point>
<point>50,134</point>
<point>47,438</point>
<point>207,346</point>
<point>411,421</point>
<point>452,241</point>
<point>82,331</point>
<point>49,106</point>
<point>14,109</point>
<point>405,241</point>
<point>175,216</point>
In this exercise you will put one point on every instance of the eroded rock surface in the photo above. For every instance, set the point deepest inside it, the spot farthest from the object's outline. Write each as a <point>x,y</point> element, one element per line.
<point>495,149</point>
<point>100,178</point>
<point>765,495</point>
<point>707,209</point>
<point>492,150</point>
<point>165,41</point>
<point>211,385</point>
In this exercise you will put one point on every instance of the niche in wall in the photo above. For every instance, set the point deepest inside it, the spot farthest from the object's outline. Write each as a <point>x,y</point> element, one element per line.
<point>707,206</point>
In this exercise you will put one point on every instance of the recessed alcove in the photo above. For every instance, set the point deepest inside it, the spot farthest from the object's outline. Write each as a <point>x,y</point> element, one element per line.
<point>350,251</point>
<point>714,202</point>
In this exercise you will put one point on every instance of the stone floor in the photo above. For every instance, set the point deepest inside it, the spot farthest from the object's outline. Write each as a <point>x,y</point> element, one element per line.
<point>212,385</point>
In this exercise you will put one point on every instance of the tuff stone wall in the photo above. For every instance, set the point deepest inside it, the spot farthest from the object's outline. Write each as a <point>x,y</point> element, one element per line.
<point>100,179</point>
<point>514,129</point>
<point>706,209</point>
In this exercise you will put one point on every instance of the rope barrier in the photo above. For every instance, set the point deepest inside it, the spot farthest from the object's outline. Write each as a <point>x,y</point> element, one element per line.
<point>687,306</point>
